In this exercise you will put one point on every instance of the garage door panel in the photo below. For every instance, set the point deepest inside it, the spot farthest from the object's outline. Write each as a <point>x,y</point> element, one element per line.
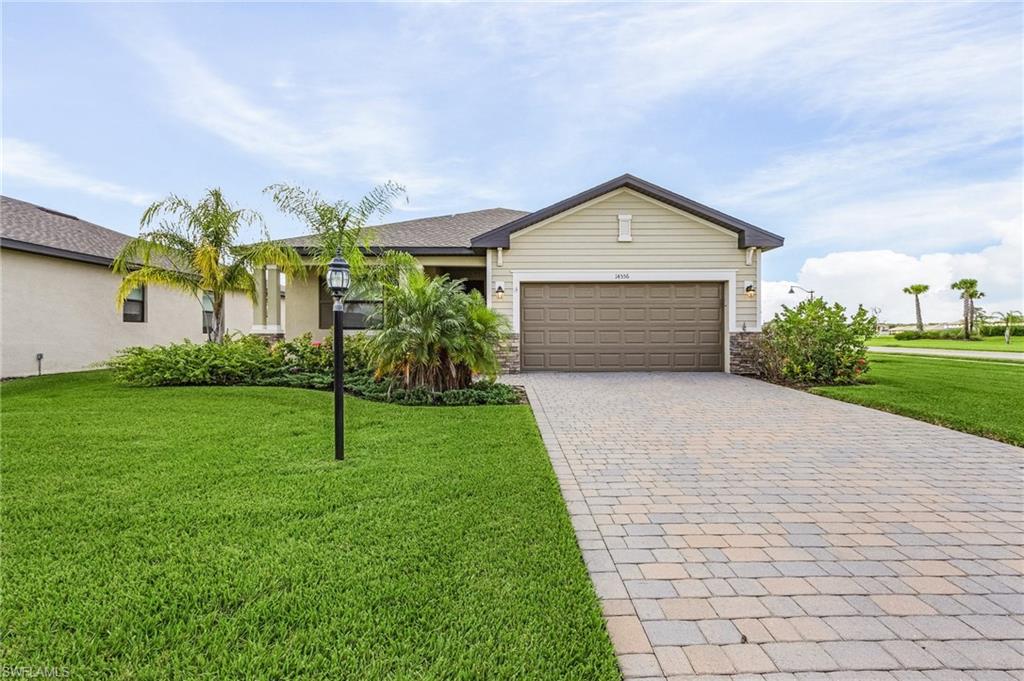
<point>685,360</point>
<point>637,337</point>
<point>558,314</point>
<point>659,336</point>
<point>531,338</point>
<point>559,337</point>
<point>622,326</point>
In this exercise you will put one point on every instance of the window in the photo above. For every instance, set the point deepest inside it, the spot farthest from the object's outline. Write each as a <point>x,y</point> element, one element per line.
<point>359,314</point>
<point>207,313</point>
<point>135,306</point>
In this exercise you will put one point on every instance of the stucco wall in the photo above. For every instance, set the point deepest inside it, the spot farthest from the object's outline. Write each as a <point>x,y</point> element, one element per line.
<point>65,310</point>
<point>662,239</point>
<point>302,307</point>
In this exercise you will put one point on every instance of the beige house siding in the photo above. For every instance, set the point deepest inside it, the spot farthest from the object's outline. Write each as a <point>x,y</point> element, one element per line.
<point>663,238</point>
<point>65,310</point>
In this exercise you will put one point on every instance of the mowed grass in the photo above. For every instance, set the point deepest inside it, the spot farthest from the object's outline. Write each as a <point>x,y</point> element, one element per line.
<point>980,397</point>
<point>208,533</point>
<point>989,344</point>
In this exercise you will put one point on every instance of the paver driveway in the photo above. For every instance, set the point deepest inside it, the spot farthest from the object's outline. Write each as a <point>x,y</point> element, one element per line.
<point>735,527</point>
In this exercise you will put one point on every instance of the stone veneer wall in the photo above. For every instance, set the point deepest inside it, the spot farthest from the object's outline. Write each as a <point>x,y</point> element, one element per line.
<point>743,352</point>
<point>508,354</point>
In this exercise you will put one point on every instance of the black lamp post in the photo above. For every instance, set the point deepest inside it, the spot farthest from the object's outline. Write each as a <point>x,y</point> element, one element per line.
<point>337,281</point>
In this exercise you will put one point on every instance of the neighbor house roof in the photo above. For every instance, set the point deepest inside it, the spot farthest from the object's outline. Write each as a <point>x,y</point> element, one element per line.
<point>27,227</point>
<point>749,235</point>
<point>445,234</point>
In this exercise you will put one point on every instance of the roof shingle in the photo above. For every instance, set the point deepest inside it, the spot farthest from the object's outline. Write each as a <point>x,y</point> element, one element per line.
<point>444,231</point>
<point>26,224</point>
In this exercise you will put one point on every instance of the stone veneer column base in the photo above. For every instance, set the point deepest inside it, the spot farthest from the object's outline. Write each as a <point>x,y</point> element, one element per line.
<point>508,354</point>
<point>743,352</point>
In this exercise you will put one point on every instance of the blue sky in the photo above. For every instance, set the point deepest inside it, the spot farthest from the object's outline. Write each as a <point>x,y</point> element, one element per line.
<point>883,141</point>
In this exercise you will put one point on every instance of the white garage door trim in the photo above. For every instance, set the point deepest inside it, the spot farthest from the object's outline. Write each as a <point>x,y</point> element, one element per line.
<point>728,277</point>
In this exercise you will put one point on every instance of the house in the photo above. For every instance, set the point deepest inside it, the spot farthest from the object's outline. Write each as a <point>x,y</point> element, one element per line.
<point>623,276</point>
<point>57,309</point>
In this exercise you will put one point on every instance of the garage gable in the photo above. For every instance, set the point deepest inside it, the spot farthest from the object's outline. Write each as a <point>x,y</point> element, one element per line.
<point>624,217</point>
<point>747,234</point>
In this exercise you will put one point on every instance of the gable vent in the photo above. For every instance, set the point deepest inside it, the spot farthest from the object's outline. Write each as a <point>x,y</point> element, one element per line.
<point>625,228</point>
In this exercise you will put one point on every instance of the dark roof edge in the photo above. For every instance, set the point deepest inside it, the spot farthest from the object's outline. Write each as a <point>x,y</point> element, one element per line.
<point>749,235</point>
<point>411,250</point>
<point>39,249</point>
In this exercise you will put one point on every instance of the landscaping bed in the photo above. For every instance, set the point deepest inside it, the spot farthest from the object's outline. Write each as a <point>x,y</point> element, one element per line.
<point>210,534</point>
<point>297,363</point>
<point>974,396</point>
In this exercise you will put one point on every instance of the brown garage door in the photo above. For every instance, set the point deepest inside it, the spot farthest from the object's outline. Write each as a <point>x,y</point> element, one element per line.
<point>666,326</point>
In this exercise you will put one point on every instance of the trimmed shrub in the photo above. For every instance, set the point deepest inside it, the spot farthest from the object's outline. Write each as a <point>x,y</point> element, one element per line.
<point>931,334</point>
<point>239,359</point>
<point>815,344</point>
<point>304,355</point>
<point>999,329</point>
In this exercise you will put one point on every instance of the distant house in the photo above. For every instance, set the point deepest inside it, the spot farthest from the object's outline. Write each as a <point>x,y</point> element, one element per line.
<point>58,311</point>
<point>624,276</point>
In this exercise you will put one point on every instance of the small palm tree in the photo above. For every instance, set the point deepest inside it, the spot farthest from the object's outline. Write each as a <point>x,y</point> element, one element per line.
<point>193,248</point>
<point>916,290</point>
<point>968,293</point>
<point>1009,320</point>
<point>435,336</point>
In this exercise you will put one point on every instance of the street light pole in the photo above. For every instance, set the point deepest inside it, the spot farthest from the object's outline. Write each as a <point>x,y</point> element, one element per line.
<point>337,282</point>
<point>805,290</point>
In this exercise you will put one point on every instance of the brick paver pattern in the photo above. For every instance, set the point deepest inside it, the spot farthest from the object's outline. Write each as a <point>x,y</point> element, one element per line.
<point>734,528</point>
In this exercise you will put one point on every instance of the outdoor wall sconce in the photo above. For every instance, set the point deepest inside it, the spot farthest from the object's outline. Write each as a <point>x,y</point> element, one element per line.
<point>499,290</point>
<point>749,289</point>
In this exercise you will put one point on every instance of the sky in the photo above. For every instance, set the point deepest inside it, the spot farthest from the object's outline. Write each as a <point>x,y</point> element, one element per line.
<point>883,141</point>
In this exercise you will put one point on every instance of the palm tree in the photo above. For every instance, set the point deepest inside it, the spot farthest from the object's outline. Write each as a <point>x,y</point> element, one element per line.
<point>435,336</point>
<point>916,290</point>
<point>339,226</point>
<point>193,248</point>
<point>1009,319</point>
<point>968,293</point>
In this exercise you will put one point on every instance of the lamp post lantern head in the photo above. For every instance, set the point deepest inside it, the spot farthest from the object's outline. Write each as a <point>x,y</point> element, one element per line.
<point>338,276</point>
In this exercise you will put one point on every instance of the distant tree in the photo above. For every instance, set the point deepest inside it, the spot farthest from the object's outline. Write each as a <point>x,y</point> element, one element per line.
<point>1009,320</point>
<point>968,293</point>
<point>916,290</point>
<point>194,248</point>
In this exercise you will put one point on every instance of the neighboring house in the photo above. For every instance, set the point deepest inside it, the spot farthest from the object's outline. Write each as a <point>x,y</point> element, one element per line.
<point>624,276</point>
<point>57,309</point>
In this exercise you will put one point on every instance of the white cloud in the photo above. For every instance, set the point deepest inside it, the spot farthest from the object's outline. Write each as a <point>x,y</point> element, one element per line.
<point>875,279</point>
<point>30,163</point>
<point>311,127</point>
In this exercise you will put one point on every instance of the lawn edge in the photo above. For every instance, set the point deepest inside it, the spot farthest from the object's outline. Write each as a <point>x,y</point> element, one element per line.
<point>907,413</point>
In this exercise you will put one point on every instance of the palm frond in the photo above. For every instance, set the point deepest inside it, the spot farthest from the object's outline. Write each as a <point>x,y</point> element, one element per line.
<point>157,276</point>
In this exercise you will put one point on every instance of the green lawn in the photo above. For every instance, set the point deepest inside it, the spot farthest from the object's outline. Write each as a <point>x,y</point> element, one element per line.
<point>208,533</point>
<point>991,344</point>
<point>980,397</point>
